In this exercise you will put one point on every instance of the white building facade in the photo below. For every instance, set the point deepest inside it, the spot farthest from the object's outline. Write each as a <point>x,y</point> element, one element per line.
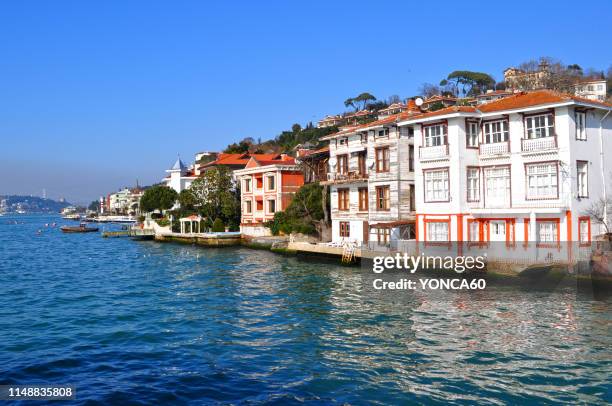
<point>523,168</point>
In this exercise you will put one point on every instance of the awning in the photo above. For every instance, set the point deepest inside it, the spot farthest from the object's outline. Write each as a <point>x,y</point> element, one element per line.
<point>392,224</point>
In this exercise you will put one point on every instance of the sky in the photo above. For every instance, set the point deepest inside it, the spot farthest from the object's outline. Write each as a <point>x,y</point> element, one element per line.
<point>97,95</point>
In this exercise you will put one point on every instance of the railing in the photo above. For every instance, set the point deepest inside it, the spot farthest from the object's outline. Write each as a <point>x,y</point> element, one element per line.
<point>495,148</point>
<point>538,144</point>
<point>438,151</point>
<point>346,177</point>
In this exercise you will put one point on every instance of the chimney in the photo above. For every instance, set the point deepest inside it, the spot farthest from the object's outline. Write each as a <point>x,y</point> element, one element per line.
<point>412,107</point>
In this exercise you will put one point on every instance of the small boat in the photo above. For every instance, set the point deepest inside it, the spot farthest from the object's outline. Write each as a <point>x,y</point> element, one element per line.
<point>82,228</point>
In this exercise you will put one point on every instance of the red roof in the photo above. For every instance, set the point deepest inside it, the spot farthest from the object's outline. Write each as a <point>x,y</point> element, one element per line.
<point>238,159</point>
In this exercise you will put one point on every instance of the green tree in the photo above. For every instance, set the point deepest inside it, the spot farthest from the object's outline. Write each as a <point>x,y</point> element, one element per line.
<point>216,196</point>
<point>296,128</point>
<point>158,198</point>
<point>187,200</point>
<point>94,206</point>
<point>304,213</point>
<point>468,83</point>
<point>218,226</point>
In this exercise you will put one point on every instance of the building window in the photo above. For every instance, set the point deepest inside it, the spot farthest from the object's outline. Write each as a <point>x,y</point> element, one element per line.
<point>259,181</point>
<point>437,231</point>
<point>496,131</point>
<point>343,199</point>
<point>411,158</point>
<point>247,185</point>
<point>473,231</point>
<point>584,227</point>
<point>342,163</point>
<point>412,198</point>
<point>271,182</point>
<point>542,181</point>
<point>248,207</point>
<point>343,141</point>
<point>600,88</point>
<point>383,236</point>
<point>580,119</point>
<point>364,138</point>
<point>382,198</point>
<point>382,159</point>
<point>363,199</point>
<point>582,178</point>
<point>435,135</point>
<point>436,185</point>
<point>540,126</point>
<point>473,184</point>
<point>260,205</point>
<point>345,229</point>
<point>271,206</point>
<point>497,186</point>
<point>547,231</point>
<point>383,133</point>
<point>361,163</point>
<point>471,134</point>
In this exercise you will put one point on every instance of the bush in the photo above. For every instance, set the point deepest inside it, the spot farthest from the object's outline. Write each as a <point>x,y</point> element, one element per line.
<point>218,226</point>
<point>163,222</point>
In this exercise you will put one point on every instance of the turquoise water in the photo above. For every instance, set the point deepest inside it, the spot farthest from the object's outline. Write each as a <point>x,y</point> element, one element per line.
<point>142,322</point>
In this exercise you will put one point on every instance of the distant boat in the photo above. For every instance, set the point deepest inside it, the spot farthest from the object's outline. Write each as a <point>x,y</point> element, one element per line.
<point>74,216</point>
<point>82,228</point>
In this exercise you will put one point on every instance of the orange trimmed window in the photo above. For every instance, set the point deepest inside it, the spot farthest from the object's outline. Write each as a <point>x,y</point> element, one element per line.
<point>584,228</point>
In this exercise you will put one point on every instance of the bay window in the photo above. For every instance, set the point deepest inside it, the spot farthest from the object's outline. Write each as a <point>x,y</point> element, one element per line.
<point>436,185</point>
<point>540,126</point>
<point>542,180</point>
<point>435,135</point>
<point>496,131</point>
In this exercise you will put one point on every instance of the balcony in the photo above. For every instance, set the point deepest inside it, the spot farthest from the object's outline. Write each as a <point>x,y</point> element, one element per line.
<point>496,148</point>
<point>435,152</point>
<point>351,176</point>
<point>538,144</point>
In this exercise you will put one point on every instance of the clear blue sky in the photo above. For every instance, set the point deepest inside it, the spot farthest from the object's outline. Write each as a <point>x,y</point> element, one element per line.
<point>94,95</point>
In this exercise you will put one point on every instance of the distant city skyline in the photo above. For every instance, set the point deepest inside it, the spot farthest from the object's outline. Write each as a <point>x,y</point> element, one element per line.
<point>96,96</point>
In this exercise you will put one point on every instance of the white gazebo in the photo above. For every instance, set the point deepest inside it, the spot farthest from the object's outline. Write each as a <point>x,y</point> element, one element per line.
<point>192,223</point>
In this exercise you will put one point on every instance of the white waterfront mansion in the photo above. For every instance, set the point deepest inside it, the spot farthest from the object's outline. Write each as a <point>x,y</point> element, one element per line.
<point>522,168</point>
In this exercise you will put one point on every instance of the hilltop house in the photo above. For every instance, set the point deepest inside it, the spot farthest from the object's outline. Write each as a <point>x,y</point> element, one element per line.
<point>522,168</point>
<point>592,89</point>
<point>266,187</point>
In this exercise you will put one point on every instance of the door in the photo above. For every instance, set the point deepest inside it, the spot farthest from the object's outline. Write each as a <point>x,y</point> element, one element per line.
<point>366,232</point>
<point>498,230</point>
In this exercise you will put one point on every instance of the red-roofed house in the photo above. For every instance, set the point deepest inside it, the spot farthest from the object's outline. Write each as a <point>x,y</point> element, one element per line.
<point>267,185</point>
<point>524,168</point>
<point>236,161</point>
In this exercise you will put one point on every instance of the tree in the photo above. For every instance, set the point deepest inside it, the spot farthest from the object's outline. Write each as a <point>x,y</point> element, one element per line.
<point>216,196</point>
<point>296,128</point>
<point>364,98</point>
<point>158,198</point>
<point>94,206</point>
<point>187,200</point>
<point>241,147</point>
<point>303,215</point>
<point>428,90</point>
<point>600,211</point>
<point>218,226</point>
<point>468,83</point>
<point>350,102</point>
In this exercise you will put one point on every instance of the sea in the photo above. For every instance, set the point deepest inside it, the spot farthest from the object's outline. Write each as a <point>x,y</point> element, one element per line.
<point>142,322</point>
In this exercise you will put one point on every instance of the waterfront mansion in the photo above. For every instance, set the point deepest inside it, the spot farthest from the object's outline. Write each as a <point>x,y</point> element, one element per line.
<point>266,187</point>
<point>371,180</point>
<point>522,168</point>
<point>525,167</point>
